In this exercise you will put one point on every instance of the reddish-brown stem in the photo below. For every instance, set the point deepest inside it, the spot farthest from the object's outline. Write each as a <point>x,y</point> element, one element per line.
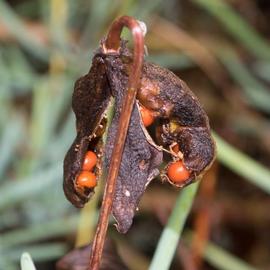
<point>112,44</point>
<point>202,221</point>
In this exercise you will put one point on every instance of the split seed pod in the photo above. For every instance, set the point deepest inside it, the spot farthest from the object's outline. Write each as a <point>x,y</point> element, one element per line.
<point>179,120</point>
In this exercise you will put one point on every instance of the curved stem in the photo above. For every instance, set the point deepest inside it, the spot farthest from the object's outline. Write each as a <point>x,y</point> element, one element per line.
<point>112,44</point>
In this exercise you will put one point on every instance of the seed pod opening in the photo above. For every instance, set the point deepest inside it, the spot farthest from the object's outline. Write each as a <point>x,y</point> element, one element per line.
<point>179,119</point>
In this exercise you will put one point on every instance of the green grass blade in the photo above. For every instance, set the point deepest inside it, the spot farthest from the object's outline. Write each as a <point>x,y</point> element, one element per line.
<point>7,265</point>
<point>43,252</point>
<point>26,262</point>
<point>219,257</point>
<point>99,12</point>
<point>223,260</point>
<point>144,9</point>
<point>14,192</point>
<point>39,232</point>
<point>242,164</point>
<point>9,219</point>
<point>17,28</point>
<point>15,71</point>
<point>169,239</point>
<point>257,94</point>
<point>9,142</point>
<point>237,27</point>
<point>60,143</point>
<point>262,68</point>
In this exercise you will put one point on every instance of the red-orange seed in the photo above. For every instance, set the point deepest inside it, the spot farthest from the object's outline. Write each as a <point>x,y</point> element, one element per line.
<point>147,116</point>
<point>90,161</point>
<point>177,172</point>
<point>86,179</point>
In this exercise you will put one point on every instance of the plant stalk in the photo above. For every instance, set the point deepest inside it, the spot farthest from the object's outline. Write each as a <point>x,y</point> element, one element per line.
<point>112,45</point>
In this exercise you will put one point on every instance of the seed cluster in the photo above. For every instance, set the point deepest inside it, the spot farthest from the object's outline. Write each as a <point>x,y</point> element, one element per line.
<point>168,134</point>
<point>87,178</point>
<point>176,171</point>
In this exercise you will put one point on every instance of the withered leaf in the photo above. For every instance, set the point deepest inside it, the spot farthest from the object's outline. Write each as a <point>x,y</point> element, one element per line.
<point>78,259</point>
<point>180,119</point>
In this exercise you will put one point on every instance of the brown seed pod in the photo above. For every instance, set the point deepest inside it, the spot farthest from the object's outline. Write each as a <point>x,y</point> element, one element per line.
<point>89,102</point>
<point>179,119</point>
<point>140,159</point>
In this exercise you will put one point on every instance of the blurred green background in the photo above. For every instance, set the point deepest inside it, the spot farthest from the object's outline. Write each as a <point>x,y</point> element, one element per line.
<point>220,48</point>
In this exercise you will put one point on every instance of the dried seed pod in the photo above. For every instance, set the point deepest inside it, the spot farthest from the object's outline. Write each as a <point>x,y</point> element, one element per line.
<point>182,119</point>
<point>89,102</point>
<point>140,159</point>
<point>178,115</point>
